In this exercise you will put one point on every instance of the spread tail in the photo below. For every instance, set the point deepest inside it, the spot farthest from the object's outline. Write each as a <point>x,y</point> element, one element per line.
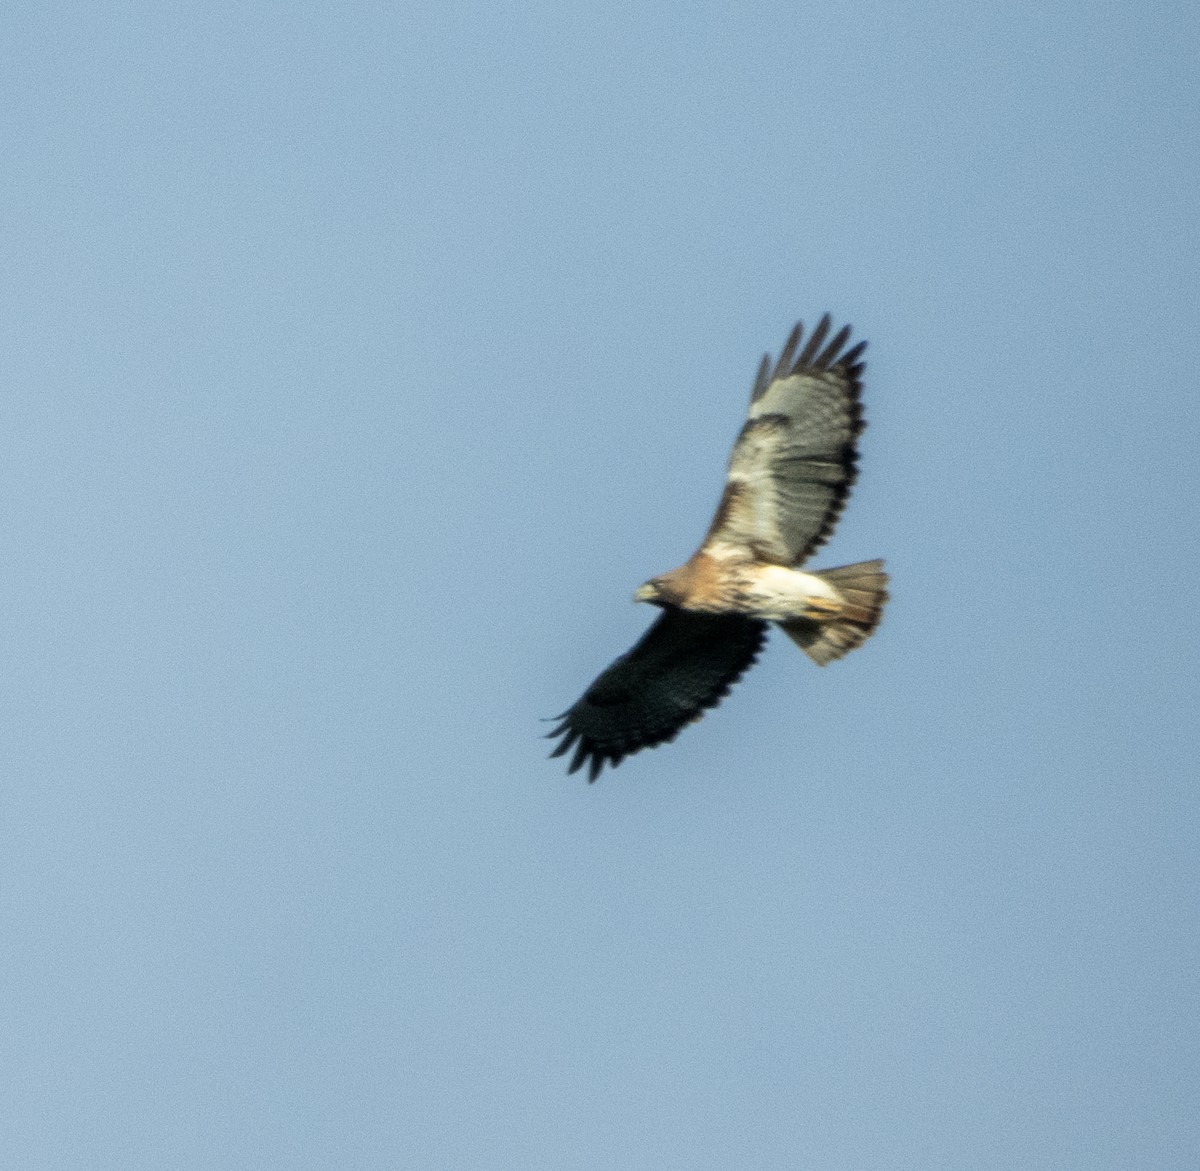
<point>862,590</point>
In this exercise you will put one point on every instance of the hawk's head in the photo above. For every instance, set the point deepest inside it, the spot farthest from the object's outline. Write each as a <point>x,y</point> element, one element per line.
<point>653,592</point>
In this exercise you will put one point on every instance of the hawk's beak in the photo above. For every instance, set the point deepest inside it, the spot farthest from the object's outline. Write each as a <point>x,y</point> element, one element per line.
<point>645,593</point>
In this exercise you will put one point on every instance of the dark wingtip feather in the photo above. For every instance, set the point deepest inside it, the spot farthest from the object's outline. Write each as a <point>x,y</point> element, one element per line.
<point>851,356</point>
<point>581,754</point>
<point>569,739</point>
<point>762,379</point>
<point>783,366</point>
<point>815,340</point>
<point>830,352</point>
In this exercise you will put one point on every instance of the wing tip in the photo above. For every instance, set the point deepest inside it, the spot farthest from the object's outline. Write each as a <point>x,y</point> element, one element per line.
<point>818,356</point>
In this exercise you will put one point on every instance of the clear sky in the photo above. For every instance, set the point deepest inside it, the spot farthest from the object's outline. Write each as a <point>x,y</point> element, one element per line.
<point>358,361</point>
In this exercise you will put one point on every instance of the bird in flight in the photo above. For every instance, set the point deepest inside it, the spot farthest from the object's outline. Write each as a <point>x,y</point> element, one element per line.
<point>790,472</point>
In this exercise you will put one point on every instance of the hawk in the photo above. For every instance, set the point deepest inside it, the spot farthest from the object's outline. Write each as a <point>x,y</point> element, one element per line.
<point>790,472</point>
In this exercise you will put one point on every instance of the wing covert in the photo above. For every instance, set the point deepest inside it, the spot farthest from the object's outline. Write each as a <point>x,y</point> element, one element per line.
<point>685,663</point>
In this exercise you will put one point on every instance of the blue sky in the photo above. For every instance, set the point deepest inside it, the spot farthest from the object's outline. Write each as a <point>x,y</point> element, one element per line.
<point>359,361</point>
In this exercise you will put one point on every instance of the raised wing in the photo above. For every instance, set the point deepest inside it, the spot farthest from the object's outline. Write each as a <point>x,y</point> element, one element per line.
<point>686,662</point>
<point>793,464</point>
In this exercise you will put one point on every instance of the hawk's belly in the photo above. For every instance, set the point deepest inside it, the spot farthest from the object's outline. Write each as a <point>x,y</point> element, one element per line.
<point>776,593</point>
